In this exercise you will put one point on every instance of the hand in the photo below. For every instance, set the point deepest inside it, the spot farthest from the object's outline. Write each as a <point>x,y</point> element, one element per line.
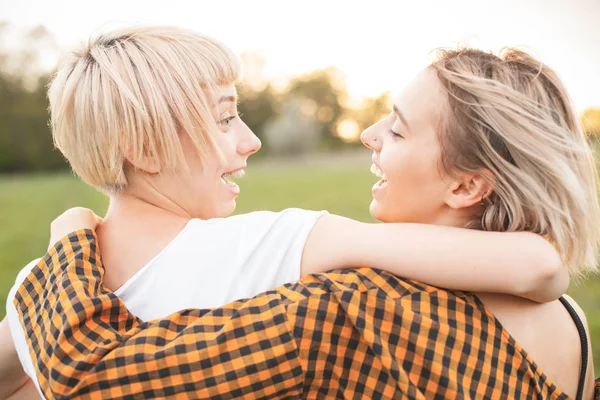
<point>72,220</point>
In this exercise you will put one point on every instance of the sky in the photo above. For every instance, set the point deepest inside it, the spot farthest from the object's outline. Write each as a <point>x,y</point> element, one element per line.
<point>379,45</point>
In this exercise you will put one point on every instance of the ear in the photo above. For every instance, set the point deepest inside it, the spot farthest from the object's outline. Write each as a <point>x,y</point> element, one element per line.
<point>145,163</point>
<point>470,189</point>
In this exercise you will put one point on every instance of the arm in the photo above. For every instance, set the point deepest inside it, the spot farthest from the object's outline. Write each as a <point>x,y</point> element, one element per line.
<point>518,263</point>
<point>194,353</point>
<point>12,376</point>
<point>339,335</point>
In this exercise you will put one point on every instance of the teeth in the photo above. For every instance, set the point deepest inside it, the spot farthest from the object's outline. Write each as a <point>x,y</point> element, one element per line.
<point>235,174</point>
<point>378,172</point>
<point>228,183</point>
<point>239,173</point>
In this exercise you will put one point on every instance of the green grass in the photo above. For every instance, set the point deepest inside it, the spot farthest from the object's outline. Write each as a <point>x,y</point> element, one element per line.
<point>28,205</point>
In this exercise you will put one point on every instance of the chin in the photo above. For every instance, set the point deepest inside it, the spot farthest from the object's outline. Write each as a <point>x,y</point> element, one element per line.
<point>221,210</point>
<point>376,211</point>
<point>383,214</point>
<point>228,208</point>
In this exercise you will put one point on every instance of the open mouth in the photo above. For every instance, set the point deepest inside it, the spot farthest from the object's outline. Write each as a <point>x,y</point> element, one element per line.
<point>378,172</point>
<point>226,177</point>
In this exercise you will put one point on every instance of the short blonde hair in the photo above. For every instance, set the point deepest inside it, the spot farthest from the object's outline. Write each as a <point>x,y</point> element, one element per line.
<point>136,89</point>
<point>511,115</point>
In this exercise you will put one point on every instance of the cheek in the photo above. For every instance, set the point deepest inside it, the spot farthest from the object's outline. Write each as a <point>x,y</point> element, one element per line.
<point>413,185</point>
<point>404,168</point>
<point>198,181</point>
<point>227,145</point>
<point>416,163</point>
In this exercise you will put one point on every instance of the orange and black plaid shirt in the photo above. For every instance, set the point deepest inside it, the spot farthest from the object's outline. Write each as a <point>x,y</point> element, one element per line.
<point>350,334</point>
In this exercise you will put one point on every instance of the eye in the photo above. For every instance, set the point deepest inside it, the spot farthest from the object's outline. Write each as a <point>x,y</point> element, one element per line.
<point>395,134</point>
<point>227,121</point>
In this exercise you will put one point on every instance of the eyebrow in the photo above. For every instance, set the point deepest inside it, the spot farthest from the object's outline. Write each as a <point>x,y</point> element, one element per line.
<point>224,99</point>
<point>401,116</point>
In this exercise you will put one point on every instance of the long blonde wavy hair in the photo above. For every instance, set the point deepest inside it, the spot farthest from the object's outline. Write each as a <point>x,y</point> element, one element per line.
<point>511,115</point>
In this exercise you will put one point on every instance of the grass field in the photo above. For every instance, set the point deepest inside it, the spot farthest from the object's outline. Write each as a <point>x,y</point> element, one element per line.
<point>28,204</point>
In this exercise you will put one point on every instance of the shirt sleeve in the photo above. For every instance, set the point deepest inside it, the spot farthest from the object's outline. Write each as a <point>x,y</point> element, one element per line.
<point>16,330</point>
<point>280,245</point>
<point>85,342</point>
<point>269,245</point>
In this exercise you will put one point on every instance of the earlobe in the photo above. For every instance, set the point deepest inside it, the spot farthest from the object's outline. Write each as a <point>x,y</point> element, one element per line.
<point>460,196</point>
<point>149,165</point>
<point>482,204</point>
<point>469,191</point>
<point>145,163</point>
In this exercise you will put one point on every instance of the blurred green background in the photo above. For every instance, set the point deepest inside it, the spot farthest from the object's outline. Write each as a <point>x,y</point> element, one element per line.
<point>342,186</point>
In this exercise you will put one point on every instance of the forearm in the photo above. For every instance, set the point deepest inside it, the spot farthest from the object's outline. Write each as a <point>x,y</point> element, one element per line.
<point>522,264</point>
<point>189,353</point>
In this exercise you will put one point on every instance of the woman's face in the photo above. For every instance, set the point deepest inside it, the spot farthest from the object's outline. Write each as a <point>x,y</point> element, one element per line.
<point>405,155</point>
<point>209,191</point>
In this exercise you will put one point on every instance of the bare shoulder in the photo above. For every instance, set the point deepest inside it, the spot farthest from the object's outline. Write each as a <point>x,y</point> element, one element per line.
<point>548,334</point>
<point>577,309</point>
<point>590,373</point>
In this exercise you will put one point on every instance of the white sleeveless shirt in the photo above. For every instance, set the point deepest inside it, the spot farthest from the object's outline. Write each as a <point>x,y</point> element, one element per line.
<point>208,264</point>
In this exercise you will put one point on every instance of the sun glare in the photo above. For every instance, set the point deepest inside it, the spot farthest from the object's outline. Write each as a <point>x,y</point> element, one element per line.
<point>348,130</point>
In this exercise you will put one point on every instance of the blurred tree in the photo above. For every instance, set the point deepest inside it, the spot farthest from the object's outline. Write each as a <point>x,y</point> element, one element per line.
<point>311,112</point>
<point>326,89</point>
<point>372,110</point>
<point>259,102</point>
<point>257,107</point>
<point>590,120</point>
<point>293,132</point>
<point>26,57</point>
<point>25,139</point>
<point>359,118</point>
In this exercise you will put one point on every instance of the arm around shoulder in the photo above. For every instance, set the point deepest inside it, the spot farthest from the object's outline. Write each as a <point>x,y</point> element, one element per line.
<point>519,263</point>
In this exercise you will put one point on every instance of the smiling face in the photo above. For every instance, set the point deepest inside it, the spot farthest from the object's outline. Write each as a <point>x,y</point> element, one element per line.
<point>205,189</point>
<point>214,184</point>
<point>489,142</point>
<point>405,155</point>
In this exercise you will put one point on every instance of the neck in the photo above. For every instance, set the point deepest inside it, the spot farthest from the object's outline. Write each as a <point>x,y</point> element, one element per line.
<point>132,233</point>
<point>457,218</point>
<point>131,218</point>
<point>143,194</point>
<point>131,209</point>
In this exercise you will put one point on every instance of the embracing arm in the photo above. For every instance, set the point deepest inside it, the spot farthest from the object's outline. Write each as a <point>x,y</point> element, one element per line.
<point>192,353</point>
<point>519,263</point>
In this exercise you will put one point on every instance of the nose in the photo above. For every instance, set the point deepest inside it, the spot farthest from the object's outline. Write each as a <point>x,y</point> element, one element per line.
<point>250,143</point>
<point>369,137</point>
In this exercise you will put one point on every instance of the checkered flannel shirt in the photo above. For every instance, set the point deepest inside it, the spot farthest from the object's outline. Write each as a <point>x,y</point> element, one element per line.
<point>347,334</point>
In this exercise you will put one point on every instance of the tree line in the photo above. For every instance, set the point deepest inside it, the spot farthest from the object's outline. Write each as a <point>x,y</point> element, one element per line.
<point>311,113</point>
